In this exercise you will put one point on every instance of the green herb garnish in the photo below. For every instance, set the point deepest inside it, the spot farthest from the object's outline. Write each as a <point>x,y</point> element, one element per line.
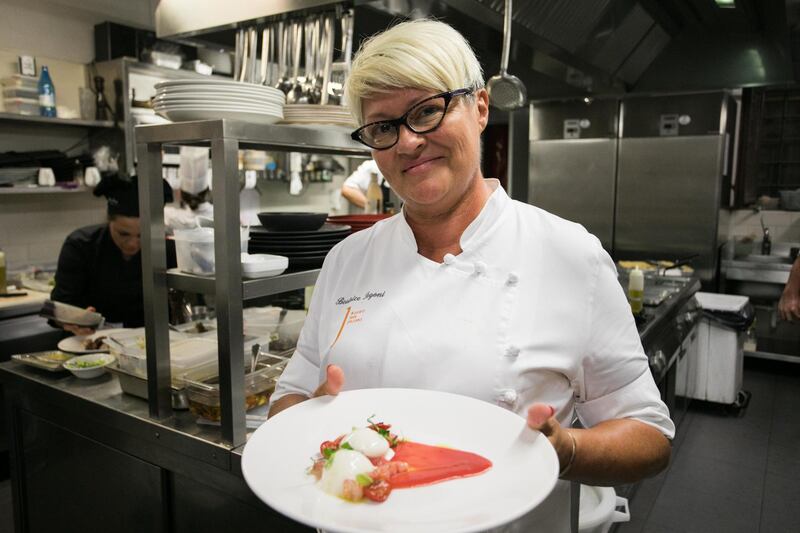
<point>363,480</point>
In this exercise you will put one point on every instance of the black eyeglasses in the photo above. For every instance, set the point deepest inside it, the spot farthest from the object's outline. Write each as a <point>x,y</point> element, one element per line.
<point>423,117</point>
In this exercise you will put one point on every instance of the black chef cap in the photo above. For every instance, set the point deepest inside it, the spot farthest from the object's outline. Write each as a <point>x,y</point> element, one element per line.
<point>123,194</point>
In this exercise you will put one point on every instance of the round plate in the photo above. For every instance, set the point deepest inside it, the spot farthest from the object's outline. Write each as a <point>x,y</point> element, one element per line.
<point>75,344</point>
<point>326,230</point>
<point>208,113</point>
<point>524,465</point>
<point>324,247</point>
<point>292,241</point>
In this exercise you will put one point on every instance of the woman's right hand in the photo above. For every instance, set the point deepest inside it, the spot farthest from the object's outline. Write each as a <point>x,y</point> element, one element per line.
<point>334,380</point>
<point>79,330</point>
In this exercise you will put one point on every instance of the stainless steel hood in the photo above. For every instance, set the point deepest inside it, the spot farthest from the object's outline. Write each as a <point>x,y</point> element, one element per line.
<point>564,48</point>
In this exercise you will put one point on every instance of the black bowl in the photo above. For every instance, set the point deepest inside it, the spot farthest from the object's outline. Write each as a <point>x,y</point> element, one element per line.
<point>292,221</point>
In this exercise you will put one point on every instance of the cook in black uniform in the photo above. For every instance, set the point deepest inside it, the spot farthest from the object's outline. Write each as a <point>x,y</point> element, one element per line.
<point>100,266</point>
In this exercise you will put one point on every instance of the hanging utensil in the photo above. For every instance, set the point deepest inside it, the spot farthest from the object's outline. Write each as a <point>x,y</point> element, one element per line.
<point>506,92</point>
<point>251,72</point>
<point>265,43</point>
<point>326,73</point>
<point>237,60</point>
<point>296,91</point>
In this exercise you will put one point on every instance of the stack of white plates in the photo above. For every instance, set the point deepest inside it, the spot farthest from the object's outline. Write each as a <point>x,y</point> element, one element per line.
<point>318,114</point>
<point>181,100</point>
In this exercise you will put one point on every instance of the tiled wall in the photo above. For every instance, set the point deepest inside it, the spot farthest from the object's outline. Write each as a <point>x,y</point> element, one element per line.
<point>33,226</point>
<point>784,226</point>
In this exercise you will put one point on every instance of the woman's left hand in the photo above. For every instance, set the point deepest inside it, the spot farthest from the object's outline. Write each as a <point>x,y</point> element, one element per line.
<point>541,418</point>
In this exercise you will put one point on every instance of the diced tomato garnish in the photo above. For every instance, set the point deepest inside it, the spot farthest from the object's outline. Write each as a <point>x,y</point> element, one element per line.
<point>330,444</point>
<point>378,491</point>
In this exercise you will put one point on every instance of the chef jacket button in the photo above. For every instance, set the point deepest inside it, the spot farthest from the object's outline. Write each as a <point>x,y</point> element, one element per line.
<point>449,259</point>
<point>513,278</point>
<point>480,268</point>
<point>509,397</point>
<point>512,351</point>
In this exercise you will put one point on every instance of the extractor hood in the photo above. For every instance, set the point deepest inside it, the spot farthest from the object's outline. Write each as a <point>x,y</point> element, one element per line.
<point>562,48</point>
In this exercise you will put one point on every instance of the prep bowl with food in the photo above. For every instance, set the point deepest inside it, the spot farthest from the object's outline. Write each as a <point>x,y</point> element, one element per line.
<point>89,366</point>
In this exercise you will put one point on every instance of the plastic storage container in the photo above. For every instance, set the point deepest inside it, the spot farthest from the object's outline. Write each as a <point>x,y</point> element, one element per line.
<point>203,394</point>
<point>21,106</point>
<point>18,81</point>
<point>282,331</point>
<point>21,92</point>
<point>194,358</point>
<point>195,249</point>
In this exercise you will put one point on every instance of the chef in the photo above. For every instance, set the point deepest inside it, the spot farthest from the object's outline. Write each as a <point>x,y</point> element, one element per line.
<point>194,179</point>
<point>469,292</point>
<point>355,186</point>
<point>100,266</point>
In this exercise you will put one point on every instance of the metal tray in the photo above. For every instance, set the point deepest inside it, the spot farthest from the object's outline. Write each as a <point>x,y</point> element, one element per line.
<point>39,360</point>
<point>137,386</point>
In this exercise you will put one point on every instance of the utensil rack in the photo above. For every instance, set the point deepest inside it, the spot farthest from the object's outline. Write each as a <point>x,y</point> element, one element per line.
<point>225,138</point>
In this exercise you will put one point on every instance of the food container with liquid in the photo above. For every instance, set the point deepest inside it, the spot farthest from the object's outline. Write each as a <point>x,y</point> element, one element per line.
<point>203,394</point>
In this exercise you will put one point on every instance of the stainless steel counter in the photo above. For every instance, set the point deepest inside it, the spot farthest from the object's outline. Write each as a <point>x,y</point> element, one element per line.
<point>75,441</point>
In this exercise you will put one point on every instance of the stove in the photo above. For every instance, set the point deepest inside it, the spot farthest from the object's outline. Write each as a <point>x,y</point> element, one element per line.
<point>669,316</point>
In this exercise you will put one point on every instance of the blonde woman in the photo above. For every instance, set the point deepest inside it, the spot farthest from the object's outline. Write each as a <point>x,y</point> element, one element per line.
<point>479,295</point>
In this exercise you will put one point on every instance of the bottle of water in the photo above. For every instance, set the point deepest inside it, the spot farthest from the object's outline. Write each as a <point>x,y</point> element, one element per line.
<point>47,94</point>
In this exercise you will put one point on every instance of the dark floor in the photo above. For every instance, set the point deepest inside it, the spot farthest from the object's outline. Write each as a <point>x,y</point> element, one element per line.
<point>729,473</point>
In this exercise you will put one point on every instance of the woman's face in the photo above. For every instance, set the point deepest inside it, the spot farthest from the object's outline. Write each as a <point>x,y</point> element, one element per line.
<point>432,172</point>
<point>126,235</point>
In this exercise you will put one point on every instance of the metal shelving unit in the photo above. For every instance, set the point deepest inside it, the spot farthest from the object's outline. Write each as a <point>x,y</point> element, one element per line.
<point>226,138</point>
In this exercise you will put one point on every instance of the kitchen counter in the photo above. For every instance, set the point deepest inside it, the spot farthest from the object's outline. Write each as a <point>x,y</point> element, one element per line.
<point>178,467</point>
<point>168,475</point>
<point>22,305</point>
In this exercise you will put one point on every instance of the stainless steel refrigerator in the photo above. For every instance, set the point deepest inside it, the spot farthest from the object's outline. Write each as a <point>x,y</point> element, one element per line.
<point>573,153</point>
<point>657,187</point>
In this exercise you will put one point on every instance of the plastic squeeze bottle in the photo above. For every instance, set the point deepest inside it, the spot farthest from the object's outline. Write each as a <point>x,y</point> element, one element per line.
<point>374,196</point>
<point>636,290</point>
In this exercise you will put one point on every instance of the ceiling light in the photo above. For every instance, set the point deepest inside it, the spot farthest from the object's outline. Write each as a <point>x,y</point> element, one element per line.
<point>726,3</point>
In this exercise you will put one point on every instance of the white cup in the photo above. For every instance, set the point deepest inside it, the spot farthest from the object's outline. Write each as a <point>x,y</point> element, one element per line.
<point>91,176</point>
<point>46,177</point>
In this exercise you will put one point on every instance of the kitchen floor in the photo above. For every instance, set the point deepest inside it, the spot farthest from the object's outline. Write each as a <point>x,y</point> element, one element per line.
<point>728,473</point>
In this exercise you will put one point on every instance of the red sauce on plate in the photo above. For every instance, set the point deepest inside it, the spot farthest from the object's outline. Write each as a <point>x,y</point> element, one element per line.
<point>432,464</point>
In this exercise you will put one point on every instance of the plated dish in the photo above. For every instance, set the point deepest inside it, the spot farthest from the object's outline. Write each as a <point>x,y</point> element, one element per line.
<point>51,360</point>
<point>523,472</point>
<point>84,344</point>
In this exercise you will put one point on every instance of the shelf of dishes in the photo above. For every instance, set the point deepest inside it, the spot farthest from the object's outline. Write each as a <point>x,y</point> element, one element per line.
<point>251,288</point>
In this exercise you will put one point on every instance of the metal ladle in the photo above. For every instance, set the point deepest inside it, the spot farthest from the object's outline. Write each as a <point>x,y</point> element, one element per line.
<point>506,91</point>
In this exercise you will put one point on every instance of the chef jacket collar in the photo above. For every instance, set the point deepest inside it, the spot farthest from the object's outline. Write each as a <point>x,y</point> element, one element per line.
<point>479,228</point>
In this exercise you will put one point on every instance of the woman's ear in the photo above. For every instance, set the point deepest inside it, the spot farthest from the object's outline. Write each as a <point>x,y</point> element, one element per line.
<point>482,101</point>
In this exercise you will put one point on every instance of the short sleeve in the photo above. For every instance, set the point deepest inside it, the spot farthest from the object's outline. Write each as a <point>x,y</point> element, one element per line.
<point>616,378</point>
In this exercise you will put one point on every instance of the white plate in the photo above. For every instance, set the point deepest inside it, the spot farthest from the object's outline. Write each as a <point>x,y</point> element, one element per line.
<point>231,107</point>
<point>74,344</point>
<point>227,100</point>
<point>524,471</point>
<point>277,96</point>
<point>216,84</point>
<point>181,115</point>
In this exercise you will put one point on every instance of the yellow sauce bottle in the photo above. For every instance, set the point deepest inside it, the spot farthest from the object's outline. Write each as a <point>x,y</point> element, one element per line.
<point>636,290</point>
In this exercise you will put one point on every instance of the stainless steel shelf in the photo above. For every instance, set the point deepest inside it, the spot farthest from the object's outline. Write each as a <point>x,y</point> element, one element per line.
<point>42,190</point>
<point>54,121</point>
<point>316,139</point>
<point>251,288</point>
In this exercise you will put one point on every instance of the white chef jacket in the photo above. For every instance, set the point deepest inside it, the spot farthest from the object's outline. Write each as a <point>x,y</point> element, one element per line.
<point>529,311</point>
<point>361,177</point>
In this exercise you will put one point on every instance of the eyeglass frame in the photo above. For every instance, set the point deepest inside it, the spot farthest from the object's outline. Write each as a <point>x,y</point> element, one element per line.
<point>403,120</point>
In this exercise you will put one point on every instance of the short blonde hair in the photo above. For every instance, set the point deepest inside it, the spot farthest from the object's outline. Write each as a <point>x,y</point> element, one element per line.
<point>419,54</point>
